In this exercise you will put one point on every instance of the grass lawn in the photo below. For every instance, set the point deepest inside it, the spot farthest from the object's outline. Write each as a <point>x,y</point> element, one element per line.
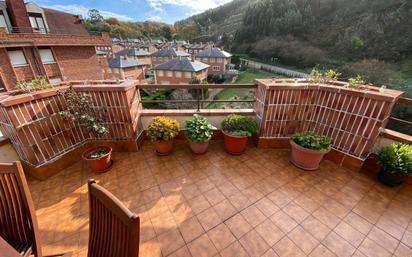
<point>245,77</point>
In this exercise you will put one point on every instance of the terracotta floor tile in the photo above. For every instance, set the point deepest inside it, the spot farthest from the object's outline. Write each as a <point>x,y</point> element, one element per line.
<point>321,251</point>
<point>296,212</point>
<point>214,196</point>
<point>170,241</point>
<point>283,221</point>
<point>238,225</point>
<point>338,245</point>
<point>326,217</point>
<point>234,250</point>
<point>305,241</point>
<point>191,229</point>
<point>358,223</point>
<point>349,233</point>
<point>383,239</point>
<point>199,204</point>
<point>209,219</point>
<point>266,206</point>
<point>316,228</point>
<point>182,252</point>
<point>221,236</point>
<point>372,249</point>
<point>254,244</point>
<point>171,194</point>
<point>253,215</point>
<point>225,210</point>
<point>202,247</point>
<point>286,248</point>
<point>269,232</point>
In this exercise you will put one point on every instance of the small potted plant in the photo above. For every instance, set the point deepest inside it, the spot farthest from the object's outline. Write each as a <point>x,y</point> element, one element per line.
<point>308,149</point>
<point>198,132</point>
<point>236,129</point>
<point>396,163</point>
<point>162,131</point>
<point>91,120</point>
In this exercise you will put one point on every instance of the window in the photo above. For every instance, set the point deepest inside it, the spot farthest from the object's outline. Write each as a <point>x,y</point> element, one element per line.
<point>17,58</point>
<point>160,73</point>
<point>166,59</point>
<point>216,68</point>
<point>212,59</point>
<point>37,22</point>
<point>170,74</point>
<point>46,56</point>
<point>159,59</point>
<point>198,59</point>
<point>178,74</point>
<point>188,75</point>
<point>55,80</point>
<point>3,23</point>
<point>204,59</point>
<point>219,60</point>
<point>154,58</point>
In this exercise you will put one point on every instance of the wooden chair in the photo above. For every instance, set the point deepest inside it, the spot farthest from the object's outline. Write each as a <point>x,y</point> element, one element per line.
<point>114,230</point>
<point>18,222</point>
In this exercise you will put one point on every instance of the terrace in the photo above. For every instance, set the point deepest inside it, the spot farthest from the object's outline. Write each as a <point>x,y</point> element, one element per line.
<point>255,204</point>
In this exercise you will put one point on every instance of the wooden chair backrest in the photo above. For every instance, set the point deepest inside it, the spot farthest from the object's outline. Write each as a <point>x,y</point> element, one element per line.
<point>18,223</point>
<point>114,230</point>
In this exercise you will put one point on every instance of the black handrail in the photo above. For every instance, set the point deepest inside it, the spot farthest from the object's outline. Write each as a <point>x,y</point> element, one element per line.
<point>198,101</point>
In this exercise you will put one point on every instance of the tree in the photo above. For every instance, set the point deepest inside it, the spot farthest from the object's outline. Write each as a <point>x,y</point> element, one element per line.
<point>167,32</point>
<point>94,16</point>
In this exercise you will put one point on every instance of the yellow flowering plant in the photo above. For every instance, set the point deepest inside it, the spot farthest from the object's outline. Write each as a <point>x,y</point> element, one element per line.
<point>163,128</point>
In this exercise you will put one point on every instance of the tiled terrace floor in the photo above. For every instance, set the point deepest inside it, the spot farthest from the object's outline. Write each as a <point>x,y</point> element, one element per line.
<point>252,205</point>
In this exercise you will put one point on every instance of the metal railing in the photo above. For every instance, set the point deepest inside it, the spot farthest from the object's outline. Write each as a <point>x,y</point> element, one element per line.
<point>401,118</point>
<point>199,101</point>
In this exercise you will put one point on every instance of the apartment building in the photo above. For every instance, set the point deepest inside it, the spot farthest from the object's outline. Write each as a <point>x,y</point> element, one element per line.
<point>167,54</point>
<point>36,41</point>
<point>124,67</point>
<point>136,54</point>
<point>218,60</point>
<point>180,71</point>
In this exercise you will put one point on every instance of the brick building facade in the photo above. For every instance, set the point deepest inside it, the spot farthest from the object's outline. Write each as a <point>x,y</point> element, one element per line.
<point>180,71</point>
<point>60,50</point>
<point>167,54</point>
<point>216,58</point>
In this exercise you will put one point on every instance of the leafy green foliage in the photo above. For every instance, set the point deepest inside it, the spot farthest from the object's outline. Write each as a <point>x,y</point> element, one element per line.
<point>317,76</point>
<point>311,140</point>
<point>198,128</point>
<point>97,154</point>
<point>238,125</point>
<point>81,111</point>
<point>397,158</point>
<point>163,128</point>
<point>372,71</point>
<point>39,83</point>
<point>356,82</point>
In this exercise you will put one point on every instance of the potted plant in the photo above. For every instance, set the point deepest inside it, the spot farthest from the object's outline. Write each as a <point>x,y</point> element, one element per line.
<point>91,120</point>
<point>396,162</point>
<point>162,131</point>
<point>308,149</point>
<point>198,132</point>
<point>236,129</point>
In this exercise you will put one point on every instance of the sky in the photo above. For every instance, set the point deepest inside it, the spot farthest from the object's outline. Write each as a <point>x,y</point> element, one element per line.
<point>167,11</point>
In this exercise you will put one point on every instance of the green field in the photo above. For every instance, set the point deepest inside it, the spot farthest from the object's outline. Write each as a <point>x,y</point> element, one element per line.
<point>245,77</point>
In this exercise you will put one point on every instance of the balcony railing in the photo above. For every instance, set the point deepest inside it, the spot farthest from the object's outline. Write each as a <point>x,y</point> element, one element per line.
<point>401,117</point>
<point>199,101</point>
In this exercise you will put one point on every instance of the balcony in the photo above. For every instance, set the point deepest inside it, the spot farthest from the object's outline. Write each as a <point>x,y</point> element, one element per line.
<point>256,204</point>
<point>27,37</point>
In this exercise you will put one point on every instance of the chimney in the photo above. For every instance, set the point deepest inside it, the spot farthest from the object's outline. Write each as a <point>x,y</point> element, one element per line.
<point>193,58</point>
<point>18,15</point>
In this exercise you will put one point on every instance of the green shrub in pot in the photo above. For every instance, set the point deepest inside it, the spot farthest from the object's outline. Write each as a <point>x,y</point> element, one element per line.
<point>308,149</point>
<point>236,130</point>
<point>198,132</point>
<point>396,162</point>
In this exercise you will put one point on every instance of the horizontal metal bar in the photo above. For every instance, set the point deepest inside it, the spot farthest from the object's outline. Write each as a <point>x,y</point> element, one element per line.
<point>196,101</point>
<point>404,100</point>
<point>401,121</point>
<point>197,86</point>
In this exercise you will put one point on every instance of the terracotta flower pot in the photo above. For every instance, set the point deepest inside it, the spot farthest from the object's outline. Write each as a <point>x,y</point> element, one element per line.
<point>235,145</point>
<point>101,164</point>
<point>390,179</point>
<point>164,147</point>
<point>304,158</point>
<point>199,147</point>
